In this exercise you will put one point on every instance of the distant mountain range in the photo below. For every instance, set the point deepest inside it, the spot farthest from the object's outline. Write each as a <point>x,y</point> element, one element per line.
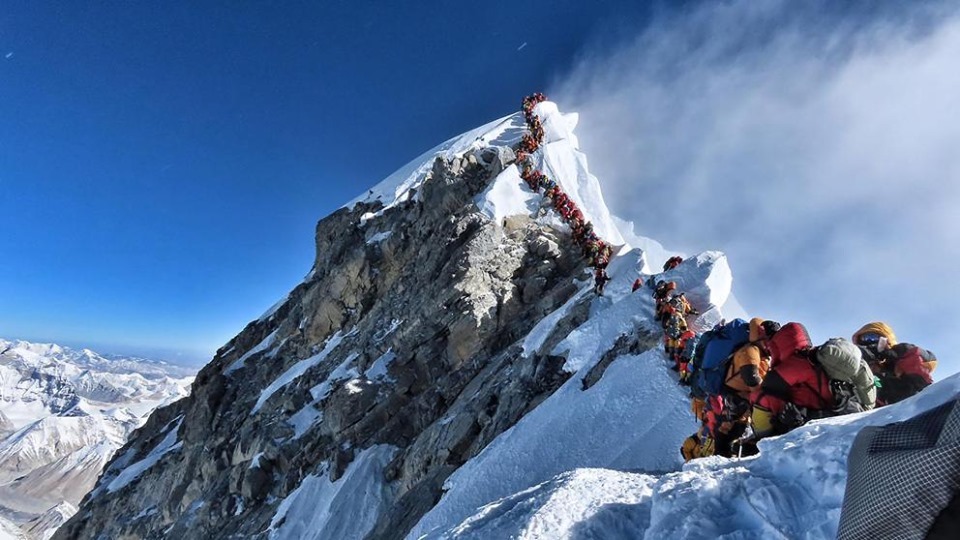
<point>63,414</point>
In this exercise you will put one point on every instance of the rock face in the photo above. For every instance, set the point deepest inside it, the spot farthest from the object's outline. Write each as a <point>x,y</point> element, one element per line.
<point>404,337</point>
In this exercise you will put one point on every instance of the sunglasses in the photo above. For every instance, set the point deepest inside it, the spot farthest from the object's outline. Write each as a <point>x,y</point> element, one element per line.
<point>869,338</point>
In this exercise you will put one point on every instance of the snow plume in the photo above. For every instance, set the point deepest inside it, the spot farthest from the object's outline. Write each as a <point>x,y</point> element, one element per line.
<point>813,142</point>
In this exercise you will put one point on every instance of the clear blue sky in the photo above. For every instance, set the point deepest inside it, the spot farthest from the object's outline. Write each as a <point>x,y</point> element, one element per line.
<point>163,164</point>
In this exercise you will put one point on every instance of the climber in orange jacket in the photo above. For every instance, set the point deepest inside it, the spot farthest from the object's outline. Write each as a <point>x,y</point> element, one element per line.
<point>751,362</point>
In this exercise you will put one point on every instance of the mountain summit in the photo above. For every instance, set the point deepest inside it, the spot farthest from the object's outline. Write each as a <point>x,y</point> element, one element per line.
<point>445,369</point>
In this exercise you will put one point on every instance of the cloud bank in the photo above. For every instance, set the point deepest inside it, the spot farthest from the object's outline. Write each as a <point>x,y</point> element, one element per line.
<point>818,145</point>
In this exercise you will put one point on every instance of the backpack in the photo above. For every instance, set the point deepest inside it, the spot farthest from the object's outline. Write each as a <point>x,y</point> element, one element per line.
<point>843,362</point>
<point>689,347</point>
<point>675,325</point>
<point>713,354</point>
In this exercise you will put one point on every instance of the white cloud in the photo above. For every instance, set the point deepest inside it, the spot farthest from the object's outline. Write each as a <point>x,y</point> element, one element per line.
<point>821,151</point>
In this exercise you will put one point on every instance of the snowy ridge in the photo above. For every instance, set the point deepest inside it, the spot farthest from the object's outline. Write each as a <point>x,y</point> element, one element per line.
<point>559,508</point>
<point>399,186</point>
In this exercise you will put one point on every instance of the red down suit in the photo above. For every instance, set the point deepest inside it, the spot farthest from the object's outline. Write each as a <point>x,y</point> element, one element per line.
<point>793,377</point>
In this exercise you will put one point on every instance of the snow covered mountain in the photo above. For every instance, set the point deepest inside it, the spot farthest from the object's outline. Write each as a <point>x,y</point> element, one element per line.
<point>445,370</point>
<point>63,413</point>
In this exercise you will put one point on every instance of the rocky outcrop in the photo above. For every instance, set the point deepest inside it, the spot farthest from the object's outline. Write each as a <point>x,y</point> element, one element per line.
<point>405,333</point>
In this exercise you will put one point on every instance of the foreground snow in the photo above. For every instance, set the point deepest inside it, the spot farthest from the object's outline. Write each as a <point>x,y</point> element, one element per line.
<point>559,507</point>
<point>793,489</point>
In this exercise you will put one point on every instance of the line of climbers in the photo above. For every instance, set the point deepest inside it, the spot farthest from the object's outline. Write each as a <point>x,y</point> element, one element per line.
<point>594,249</point>
<point>750,380</point>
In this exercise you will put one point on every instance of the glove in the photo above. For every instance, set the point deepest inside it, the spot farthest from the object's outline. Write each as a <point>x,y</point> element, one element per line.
<point>791,417</point>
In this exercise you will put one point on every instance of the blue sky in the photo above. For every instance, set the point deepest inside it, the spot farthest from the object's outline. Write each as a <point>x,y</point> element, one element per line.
<point>163,165</point>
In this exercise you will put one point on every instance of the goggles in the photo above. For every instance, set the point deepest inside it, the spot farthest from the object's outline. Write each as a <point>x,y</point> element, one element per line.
<point>868,338</point>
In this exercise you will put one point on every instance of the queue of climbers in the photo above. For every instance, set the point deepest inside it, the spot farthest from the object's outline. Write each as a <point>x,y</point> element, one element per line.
<point>750,380</point>
<point>594,249</point>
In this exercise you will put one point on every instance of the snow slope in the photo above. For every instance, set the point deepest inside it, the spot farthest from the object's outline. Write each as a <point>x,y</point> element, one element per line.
<point>793,489</point>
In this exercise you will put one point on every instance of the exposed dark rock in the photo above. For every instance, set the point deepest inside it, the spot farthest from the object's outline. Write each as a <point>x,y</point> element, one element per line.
<point>446,294</point>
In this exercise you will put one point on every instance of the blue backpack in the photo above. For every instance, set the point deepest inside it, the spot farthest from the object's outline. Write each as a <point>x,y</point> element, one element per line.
<point>713,354</point>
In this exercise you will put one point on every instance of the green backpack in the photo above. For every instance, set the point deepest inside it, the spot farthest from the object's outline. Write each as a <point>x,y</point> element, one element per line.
<point>843,362</point>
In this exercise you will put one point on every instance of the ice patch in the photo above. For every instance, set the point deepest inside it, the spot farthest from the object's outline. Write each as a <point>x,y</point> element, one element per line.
<point>379,237</point>
<point>299,369</point>
<point>342,372</point>
<point>346,509</point>
<point>132,472</point>
<point>382,335</point>
<point>538,336</point>
<point>378,370</point>
<point>304,419</point>
<point>259,348</point>
<point>507,196</point>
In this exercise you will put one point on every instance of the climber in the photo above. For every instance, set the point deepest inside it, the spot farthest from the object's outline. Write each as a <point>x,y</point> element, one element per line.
<point>726,420</point>
<point>674,326</point>
<point>576,215</point>
<point>661,296</point>
<point>528,144</point>
<point>536,128</point>
<point>602,259</point>
<point>903,369</point>
<point>729,419</point>
<point>672,263</point>
<point>600,281</point>
<point>750,363</point>
<point>687,346</point>
<point>795,389</point>
<point>676,303</point>
<point>577,229</point>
